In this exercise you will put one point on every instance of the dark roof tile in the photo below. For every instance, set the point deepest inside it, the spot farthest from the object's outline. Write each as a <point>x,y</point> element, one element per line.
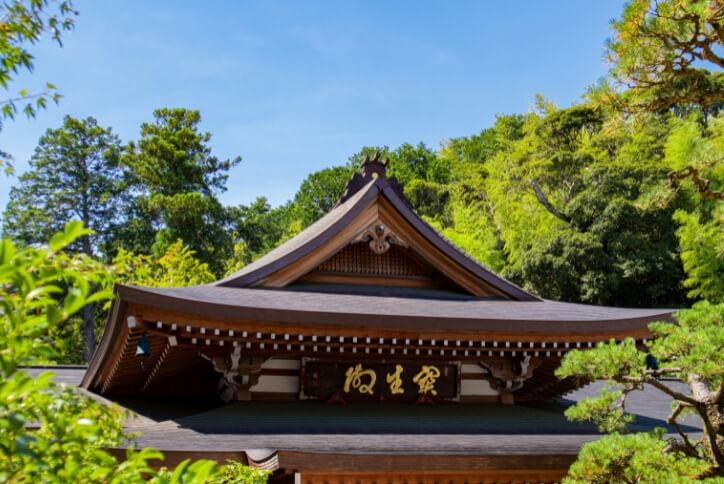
<point>346,309</point>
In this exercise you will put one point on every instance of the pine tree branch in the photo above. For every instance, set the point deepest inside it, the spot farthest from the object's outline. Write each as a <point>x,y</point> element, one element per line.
<point>671,420</point>
<point>703,186</point>
<point>541,196</point>
<point>651,380</point>
<point>704,395</point>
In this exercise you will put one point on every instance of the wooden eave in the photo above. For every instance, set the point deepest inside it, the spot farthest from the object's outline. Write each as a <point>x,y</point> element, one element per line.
<point>180,326</point>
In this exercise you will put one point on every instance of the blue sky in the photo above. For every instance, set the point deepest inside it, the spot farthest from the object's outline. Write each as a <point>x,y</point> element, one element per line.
<point>293,86</point>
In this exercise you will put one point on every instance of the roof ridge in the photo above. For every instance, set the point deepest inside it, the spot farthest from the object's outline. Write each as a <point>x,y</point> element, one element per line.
<point>299,242</point>
<point>400,202</point>
<point>462,251</point>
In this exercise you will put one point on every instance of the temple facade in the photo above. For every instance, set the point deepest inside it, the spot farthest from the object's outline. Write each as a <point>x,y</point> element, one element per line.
<point>368,305</point>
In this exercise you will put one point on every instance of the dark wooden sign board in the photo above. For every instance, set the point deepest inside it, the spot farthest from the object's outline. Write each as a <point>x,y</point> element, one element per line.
<point>364,380</point>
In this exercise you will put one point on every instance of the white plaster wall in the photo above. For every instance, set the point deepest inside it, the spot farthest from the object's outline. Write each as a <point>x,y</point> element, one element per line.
<point>473,368</point>
<point>282,364</point>
<point>476,388</point>
<point>277,384</point>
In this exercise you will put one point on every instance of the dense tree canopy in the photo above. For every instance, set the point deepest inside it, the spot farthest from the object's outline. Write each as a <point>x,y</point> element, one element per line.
<point>176,181</point>
<point>557,194</point>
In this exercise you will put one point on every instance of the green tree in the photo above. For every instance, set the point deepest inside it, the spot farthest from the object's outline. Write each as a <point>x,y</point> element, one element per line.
<point>408,162</point>
<point>176,268</point>
<point>556,202</point>
<point>643,457</point>
<point>51,432</point>
<point>74,175</point>
<point>469,225</point>
<point>176,182</point>
<point>613,250</point>
<point>429,199</point>
<point>691,351</point>
<point>257,229</point>
<point>694,151</point>
<point>702,252</point>
<point>24,23</point>
<point>235,473</point>
<point>668,53</point>
<point>319,192</point>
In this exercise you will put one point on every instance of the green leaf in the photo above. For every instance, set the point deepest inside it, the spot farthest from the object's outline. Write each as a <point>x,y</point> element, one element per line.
<point>72,231</point>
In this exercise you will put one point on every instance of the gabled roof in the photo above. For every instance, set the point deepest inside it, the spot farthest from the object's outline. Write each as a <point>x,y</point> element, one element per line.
<point>367,190</point>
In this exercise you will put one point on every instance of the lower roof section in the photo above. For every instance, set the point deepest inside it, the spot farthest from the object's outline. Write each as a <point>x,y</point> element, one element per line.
<point>510,443</point>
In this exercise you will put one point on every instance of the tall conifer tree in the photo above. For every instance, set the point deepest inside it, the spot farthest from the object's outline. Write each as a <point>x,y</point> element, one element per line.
<point>176,181</point>
<point>74,175</point>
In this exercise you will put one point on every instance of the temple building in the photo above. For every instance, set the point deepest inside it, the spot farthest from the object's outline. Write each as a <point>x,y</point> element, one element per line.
<point>367,323</point>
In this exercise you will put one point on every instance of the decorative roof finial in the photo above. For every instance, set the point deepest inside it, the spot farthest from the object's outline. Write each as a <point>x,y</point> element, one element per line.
<point>374,166</point>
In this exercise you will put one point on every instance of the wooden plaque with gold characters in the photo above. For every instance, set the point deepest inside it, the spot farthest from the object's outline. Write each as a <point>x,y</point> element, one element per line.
<point>352,380</point>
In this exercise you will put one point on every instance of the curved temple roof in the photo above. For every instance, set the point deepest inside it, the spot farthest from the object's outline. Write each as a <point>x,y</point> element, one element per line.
<point>448,295</point>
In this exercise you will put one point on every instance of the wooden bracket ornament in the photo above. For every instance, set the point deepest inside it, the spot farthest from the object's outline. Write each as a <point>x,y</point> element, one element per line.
<point>379,238</point>
<point>507,376</point>
<point>238,374</point>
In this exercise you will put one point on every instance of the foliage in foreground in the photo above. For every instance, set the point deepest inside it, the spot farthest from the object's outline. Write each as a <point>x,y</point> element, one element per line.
<point>691,352</point>
<point>177,267</point>
<point>24,23</point>
<point>633,458</point>
<point>50,432</point>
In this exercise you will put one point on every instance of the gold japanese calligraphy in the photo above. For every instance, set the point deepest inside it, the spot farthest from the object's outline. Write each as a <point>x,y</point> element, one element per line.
<point>395,381</point>
<point>426,379</point>
<point>365,380</point>
<point>355,375</point>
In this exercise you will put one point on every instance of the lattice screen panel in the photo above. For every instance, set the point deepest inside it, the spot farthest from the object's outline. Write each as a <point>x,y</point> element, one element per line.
<point>359,259</point>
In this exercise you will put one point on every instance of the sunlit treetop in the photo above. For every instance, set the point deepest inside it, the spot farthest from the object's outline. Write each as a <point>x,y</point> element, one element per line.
<point>670,53</point>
